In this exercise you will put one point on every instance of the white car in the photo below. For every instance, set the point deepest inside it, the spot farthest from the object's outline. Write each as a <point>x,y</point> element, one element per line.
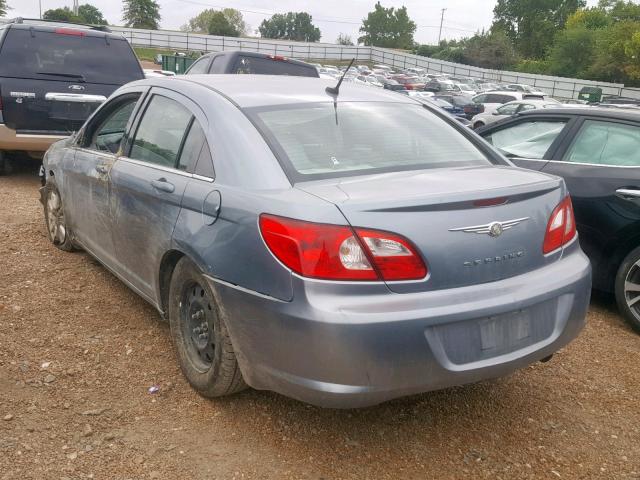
<point>464,88</point>
<point>521,87</point>
<point>418,94</point>
<point>369,80</point>
<point>509,109</point>
<point>417,72</point>
<point>150,73</point>
<point>492,100</point>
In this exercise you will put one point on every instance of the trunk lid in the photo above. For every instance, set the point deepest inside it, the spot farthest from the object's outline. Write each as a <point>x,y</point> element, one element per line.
<point>447,214</point>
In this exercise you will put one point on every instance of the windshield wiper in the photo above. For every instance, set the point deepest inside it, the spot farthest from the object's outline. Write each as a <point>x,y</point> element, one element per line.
<point>68,75</point>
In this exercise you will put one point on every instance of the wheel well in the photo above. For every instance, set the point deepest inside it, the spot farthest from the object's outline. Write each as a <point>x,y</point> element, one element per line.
<point>478,124</point>
<point>168,264</point>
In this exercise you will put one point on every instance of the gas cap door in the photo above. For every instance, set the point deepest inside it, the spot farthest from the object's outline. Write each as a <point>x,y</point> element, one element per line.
<point>211,207</point>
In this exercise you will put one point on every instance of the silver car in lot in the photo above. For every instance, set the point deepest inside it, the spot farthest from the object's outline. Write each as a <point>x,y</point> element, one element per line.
<point>343,250</point>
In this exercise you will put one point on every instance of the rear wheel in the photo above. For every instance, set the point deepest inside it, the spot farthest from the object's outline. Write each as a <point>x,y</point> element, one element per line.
<point>628,289</point>
<point>200,334</point>
<point>57,228</point>
<point>5,165</point>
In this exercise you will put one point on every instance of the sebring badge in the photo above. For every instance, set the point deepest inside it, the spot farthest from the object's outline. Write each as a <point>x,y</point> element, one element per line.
<point>493,229</point>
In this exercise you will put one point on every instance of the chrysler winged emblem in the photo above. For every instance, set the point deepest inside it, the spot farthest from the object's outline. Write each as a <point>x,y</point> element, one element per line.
<point>493,229</point>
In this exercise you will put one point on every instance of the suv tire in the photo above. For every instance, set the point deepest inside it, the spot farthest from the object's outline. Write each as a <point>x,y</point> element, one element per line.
<point>200,335</point>
<point>627,289</point>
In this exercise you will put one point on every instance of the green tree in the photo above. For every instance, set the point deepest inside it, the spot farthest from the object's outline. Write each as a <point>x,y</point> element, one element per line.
<point>572,52</point>
<point>344,39</point>
<point>64,14</point>
<point>388,27</point>
<point>200,23</point>
<point>90,14</point>
<point>290,26</point>
<point>532,24</point>
<point>4,8</point>
<point>86,14</point>
<point>141,14</point>
<point>490,50</point>
<point>219,25</point>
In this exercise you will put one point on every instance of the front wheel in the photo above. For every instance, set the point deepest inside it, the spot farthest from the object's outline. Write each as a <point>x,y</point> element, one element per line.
<point>628,289</point>
<point>200,334</point>
<point>58,231</point>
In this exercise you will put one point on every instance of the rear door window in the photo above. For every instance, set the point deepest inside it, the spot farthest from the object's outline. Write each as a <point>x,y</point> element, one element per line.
<point>72,55</point>
<point>268,66</point>
<point>160,133</point>
<point>510,109</point>
<point>530,139</point>
<point>606,143</point>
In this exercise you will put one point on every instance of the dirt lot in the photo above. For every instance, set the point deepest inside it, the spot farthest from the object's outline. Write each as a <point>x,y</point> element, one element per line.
<point>78,352</point>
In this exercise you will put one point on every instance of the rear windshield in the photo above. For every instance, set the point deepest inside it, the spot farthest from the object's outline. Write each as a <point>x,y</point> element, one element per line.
<point>57,56</point>
<point>315,141</point>
<point>269,66</point>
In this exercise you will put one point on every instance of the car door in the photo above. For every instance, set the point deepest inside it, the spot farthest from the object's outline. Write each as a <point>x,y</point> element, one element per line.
<point>87,183</point>
<point>148,185</point>
<point>601,166</point>
<point>529,141</point>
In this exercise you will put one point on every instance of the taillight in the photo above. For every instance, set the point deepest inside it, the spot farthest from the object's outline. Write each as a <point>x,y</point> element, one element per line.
<point>338,252</point>
<point>278,58</point>
<point>70,31</point>
<point>561,228</point>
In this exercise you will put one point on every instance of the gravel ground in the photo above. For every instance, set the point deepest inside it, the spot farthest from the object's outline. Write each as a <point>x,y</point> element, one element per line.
<point>79,351</point>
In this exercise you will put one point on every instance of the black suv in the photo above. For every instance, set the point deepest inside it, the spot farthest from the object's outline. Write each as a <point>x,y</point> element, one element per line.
<point>52,77</point>
<point>251,63</point>
<point>597,152</point>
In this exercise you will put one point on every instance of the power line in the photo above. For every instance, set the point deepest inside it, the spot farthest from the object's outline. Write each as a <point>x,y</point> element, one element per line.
<point>315,19</point>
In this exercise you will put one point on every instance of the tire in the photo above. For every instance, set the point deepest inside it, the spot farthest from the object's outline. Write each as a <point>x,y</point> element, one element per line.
<point>200,335</point>
<point>5,165</point>
<point>58,231</point>
<point>627,289</point>
<point>478,125</point>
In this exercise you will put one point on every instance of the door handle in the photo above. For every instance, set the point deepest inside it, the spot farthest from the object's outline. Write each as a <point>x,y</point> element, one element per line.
<point>628,193</point>
<point>162,185</point>
<point>102,168</point>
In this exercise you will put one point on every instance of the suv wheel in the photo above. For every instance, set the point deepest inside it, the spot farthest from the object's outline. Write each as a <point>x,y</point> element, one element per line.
<point>200,334</point>
<point>628,289</point>
<point>57,228</point>
<point>5,165</point>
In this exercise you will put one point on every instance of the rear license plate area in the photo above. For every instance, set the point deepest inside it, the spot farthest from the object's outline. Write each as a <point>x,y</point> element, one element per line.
<point>504,330</point>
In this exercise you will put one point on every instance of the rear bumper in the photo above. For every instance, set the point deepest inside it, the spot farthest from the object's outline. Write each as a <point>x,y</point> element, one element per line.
<point>10,140</point>
<point>348,346</point>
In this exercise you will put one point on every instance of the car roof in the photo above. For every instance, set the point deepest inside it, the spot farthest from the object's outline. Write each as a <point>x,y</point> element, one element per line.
<point>52,25</point>
<point>248,91</point>
<point>615,113</point>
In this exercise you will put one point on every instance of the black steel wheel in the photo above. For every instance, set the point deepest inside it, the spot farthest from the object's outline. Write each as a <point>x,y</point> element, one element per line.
<point>200,334</point>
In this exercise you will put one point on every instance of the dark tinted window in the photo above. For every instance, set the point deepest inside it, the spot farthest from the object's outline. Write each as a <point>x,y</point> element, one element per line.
<point>160,132</point>
<point>205,162</point>
<point>201,66</point>
<point>192,146</point>
<point>45,54</point>
<point>268,66</point>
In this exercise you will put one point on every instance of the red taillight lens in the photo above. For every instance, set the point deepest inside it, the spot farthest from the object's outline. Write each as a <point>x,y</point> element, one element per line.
<point>561,228</point>
<point>337,252</point>
<point>70,31</point>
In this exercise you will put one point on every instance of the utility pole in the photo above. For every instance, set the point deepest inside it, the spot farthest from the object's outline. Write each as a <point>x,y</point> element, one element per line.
<point>75,7</point>
<point>40,6</point>
<point>441,22</point>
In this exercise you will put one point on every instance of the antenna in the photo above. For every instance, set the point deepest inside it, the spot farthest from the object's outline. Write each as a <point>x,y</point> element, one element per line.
<point>336,90</point>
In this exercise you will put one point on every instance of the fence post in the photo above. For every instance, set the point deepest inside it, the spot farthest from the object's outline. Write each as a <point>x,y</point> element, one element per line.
<point>150,39</point>
<point>187,42</point>
<point>223,44</point>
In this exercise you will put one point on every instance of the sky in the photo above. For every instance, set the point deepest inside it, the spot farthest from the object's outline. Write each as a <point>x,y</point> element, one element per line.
<point>461,17</point>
